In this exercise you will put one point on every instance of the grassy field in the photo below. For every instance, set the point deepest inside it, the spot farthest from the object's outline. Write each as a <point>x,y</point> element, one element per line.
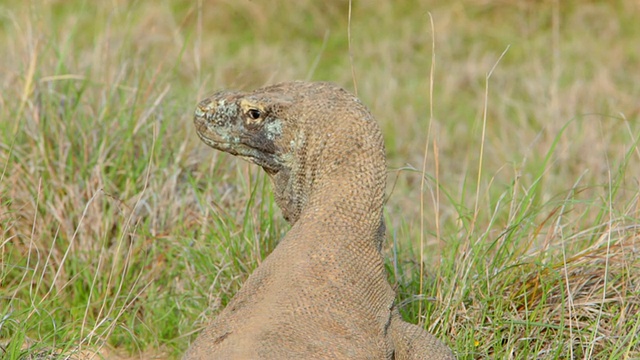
<point>512,132</point>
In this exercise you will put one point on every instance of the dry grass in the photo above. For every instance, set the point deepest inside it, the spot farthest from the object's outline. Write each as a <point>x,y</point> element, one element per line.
<point>119,230</point>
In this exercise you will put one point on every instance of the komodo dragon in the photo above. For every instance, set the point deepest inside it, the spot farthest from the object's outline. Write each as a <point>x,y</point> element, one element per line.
<point>323,291</point>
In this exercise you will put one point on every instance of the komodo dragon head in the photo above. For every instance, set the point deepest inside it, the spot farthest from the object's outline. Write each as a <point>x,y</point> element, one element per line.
<point>291,130</point>
<point>245,126</point>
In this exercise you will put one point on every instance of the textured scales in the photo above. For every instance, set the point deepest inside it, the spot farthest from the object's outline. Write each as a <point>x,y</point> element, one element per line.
<point>323,292</point>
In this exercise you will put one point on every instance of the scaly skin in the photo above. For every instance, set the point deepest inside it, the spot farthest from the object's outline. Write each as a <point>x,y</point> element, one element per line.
<point>322,293</point>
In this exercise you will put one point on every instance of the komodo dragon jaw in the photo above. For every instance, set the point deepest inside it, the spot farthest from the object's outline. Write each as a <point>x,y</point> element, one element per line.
<point>242,128</point>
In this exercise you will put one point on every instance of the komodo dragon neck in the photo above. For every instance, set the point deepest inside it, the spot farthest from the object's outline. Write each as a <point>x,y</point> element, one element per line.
<point>319,144</point>
<point>322,293</point>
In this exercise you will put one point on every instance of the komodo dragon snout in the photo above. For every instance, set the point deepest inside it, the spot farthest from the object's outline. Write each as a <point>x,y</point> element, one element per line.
<point>323,292</point>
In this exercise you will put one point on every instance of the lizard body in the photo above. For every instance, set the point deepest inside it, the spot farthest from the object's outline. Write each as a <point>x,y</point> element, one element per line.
<point>323,292</point>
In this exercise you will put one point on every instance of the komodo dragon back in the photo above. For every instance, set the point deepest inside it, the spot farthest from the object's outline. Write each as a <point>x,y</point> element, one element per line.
<point>323,292</point>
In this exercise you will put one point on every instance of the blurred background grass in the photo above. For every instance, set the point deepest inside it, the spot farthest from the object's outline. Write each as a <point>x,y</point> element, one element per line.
<point>121,232</point>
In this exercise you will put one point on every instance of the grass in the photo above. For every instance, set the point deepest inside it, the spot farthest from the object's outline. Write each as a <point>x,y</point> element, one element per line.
<point>121,233</point>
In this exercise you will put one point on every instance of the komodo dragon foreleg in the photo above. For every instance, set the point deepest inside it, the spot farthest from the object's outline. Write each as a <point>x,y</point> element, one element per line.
<point>323,292</point>
<point>411,342</point>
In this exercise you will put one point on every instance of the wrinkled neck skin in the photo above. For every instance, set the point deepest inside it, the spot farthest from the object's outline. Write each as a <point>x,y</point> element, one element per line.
<point>337,178</point>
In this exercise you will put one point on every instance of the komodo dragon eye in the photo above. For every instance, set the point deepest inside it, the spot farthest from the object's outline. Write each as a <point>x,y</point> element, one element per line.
<point>254,114</point>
